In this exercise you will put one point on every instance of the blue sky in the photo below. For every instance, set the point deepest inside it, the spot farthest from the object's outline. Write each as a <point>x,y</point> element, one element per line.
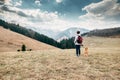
<point>62,14</point>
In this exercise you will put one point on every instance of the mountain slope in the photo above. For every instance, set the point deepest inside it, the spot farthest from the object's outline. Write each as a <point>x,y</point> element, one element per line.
<point>11,41</point>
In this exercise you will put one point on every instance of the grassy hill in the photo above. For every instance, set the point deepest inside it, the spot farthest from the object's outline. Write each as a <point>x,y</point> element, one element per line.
<point>11,41</point>
<point>103,63</point>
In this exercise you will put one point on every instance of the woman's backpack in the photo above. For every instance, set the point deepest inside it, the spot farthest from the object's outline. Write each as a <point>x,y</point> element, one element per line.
<point>79,39</point>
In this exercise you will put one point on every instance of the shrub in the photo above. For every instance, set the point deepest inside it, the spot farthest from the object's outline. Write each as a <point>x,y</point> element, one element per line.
<point>23,48</point>
<point>18,50</point>
<point>29,50</point>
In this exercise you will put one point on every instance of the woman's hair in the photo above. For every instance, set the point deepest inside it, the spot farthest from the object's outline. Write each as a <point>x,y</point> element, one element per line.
<point>78,32</point>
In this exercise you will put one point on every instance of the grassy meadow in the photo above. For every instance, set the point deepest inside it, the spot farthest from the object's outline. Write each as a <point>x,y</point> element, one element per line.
<point>103,63</point>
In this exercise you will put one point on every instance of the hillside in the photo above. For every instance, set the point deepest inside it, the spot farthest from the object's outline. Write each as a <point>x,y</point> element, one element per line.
<point>11,41</point>
<point>111,32</point>
<point>29,33</point>
<point>34,35</point>
<point>103,63</point>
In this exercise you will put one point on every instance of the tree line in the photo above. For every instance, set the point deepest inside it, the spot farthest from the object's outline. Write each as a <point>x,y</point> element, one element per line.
<point>64,44</point>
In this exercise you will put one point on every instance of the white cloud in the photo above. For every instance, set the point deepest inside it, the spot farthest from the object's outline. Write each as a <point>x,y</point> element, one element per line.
<point>19,3</point>
<point>99,15</point>
<point>31,13</point>
<point>102,14</point>
<point>39,16</point>
<point>12,2</point>
<point>34,18</point>
<point>37,19</point>
<point>37,2</point>
<point>7,2</point>
<point>59,1</point>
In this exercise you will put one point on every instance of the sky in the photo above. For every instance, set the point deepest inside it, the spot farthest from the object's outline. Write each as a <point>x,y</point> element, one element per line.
<point>62,14</point>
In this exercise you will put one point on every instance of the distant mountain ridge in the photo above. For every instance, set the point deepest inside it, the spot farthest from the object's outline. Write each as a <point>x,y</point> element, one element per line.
<point>60,35</point>
<point>69,33</point>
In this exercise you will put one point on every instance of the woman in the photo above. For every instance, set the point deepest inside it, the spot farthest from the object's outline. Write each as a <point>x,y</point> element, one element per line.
<point>78,43</point>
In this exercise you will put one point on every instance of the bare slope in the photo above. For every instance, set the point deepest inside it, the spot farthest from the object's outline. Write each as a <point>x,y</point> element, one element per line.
<point>11,41</point>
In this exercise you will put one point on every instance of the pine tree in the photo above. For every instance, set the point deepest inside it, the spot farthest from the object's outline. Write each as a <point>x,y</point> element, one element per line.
<point>23,47</point>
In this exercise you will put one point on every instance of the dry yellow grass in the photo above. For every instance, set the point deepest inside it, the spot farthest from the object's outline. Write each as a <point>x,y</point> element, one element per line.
<point>103,63</point>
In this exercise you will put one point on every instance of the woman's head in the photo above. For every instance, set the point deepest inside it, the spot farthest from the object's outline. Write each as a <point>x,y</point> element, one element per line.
<point>78,32</point>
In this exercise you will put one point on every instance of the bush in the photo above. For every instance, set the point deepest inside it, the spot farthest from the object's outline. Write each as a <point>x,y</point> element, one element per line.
<point>18,50</point>
<point>29,50</point>
<point>23,48</point>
